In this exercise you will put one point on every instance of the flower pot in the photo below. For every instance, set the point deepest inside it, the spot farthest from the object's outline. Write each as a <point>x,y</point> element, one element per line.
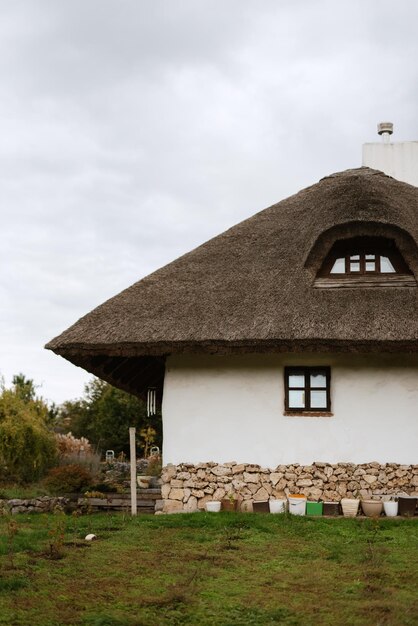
<point>261,506</point>
<point>372,508</point>
<point>277,506</point>
<point>407,505</point>
<point>297,504</point>
<point>314,508</point>
<point>144,481</point>
<point>229,505</point>
<point>331,508</point>
<point>213,506</point>
<point>350,506</point>
<point>390,508</point>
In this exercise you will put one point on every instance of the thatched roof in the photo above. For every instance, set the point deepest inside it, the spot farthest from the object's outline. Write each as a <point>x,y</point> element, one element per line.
<point>251,289</point>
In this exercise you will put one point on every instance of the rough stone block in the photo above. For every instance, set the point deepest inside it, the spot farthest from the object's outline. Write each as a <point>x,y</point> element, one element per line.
<point>251,477</point>
<point>261,494</point>
<point>177,494</point>
<point>171,506</point>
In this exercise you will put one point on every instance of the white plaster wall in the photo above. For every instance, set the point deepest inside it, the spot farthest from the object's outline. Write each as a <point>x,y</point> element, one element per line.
<point>230,408</point>
<point>399,160</point>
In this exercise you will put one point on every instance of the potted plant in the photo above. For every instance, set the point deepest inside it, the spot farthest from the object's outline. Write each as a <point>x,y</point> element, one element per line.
<point>230,502</point>
<point>154,469</point>
<point>277,505</point>
<point>350,506</point>
<point>152,472</point>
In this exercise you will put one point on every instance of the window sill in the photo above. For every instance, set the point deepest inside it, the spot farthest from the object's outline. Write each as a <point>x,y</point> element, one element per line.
<point>353,282</point>
<point>308,413</point>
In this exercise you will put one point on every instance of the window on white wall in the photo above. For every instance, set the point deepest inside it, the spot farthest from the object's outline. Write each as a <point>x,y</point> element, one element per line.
<point>307,389</point>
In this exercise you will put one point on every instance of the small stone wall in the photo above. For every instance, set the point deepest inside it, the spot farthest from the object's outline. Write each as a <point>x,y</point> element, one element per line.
<point>43,504</point>
<point>188,487</point>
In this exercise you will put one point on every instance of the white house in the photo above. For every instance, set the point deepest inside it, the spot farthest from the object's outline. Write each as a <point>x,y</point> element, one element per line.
<point>288,342</point>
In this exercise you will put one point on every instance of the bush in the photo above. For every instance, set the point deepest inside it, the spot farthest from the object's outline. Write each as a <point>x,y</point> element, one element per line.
<point>68,479</point>
<point>68,445</point>
<point>27,448</point>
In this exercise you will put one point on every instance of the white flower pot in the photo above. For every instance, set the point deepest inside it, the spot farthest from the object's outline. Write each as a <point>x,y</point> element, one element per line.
<point>350,507</point>
<point>277,506</point>
<point>297,505</point>
<point>390,508</point>
<point>213,506</point>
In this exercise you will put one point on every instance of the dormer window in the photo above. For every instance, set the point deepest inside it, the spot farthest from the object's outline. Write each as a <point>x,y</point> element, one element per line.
<point>364,261</point>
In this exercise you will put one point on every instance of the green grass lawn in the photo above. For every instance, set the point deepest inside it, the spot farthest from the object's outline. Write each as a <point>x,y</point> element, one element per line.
<point>215,569</point>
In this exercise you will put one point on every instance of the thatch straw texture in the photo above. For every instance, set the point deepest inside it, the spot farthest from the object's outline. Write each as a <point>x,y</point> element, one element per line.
<point>251,288</point>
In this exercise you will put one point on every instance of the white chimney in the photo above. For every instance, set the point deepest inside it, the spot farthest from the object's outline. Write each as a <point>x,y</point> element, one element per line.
<point>398,159</point>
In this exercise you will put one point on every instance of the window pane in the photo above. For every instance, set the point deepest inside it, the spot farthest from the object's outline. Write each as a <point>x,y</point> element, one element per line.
<point>370,257</point>
<point>385,265</point>
<point>296,399</point>
<point>354,266</point>
<point>296,380</point>
<point>355,257</point>
<point>370,266</point>
<point>338,267</point>
<point>318,380</point>
<point>318,399</point>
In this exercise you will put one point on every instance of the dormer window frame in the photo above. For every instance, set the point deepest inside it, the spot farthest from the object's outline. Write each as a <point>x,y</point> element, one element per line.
<point>364,261</point>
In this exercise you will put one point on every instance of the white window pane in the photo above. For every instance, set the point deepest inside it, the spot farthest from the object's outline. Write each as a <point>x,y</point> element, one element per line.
<point>354,266</point>
<point>370,257</point>
<point>318,399</point>
<point>296,399</point>
<point>385,265</point>
<point>355,257</point>
<point>370,266</point>
<point>318,380</point>
<point>296,380</point>
<point>338,267</point>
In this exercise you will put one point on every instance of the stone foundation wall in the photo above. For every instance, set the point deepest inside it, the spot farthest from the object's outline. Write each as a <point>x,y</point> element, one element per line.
<point>188,487</point>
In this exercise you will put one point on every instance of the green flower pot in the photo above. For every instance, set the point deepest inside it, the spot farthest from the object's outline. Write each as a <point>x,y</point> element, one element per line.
<point>314,508</point>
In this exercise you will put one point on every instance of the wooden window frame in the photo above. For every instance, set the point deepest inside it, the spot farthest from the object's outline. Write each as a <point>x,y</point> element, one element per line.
<point>363,246</point>
<point>307,371</point>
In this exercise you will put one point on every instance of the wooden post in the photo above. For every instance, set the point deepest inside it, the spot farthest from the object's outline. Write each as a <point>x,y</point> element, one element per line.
<point>132,445</point>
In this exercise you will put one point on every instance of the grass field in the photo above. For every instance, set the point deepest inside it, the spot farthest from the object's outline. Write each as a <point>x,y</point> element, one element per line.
<point>210,569</point>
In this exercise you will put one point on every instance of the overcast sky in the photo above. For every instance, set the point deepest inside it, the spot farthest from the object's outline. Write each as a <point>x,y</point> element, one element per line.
<point>131,131</point>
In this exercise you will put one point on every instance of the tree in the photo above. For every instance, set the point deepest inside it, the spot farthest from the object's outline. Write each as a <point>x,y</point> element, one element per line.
<point>104,416</point>
<point>24,387</point>
<point>27,447</point>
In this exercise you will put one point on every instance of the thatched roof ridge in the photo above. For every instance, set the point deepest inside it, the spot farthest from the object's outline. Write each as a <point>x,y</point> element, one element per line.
<point>250,289</point>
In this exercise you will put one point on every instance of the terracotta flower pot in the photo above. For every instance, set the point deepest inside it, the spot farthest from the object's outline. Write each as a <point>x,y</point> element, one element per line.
<point>372,508</point>
<point>350,506</point>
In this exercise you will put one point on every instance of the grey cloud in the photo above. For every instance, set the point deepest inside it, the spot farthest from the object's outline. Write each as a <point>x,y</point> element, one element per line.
<point>132,131</point>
